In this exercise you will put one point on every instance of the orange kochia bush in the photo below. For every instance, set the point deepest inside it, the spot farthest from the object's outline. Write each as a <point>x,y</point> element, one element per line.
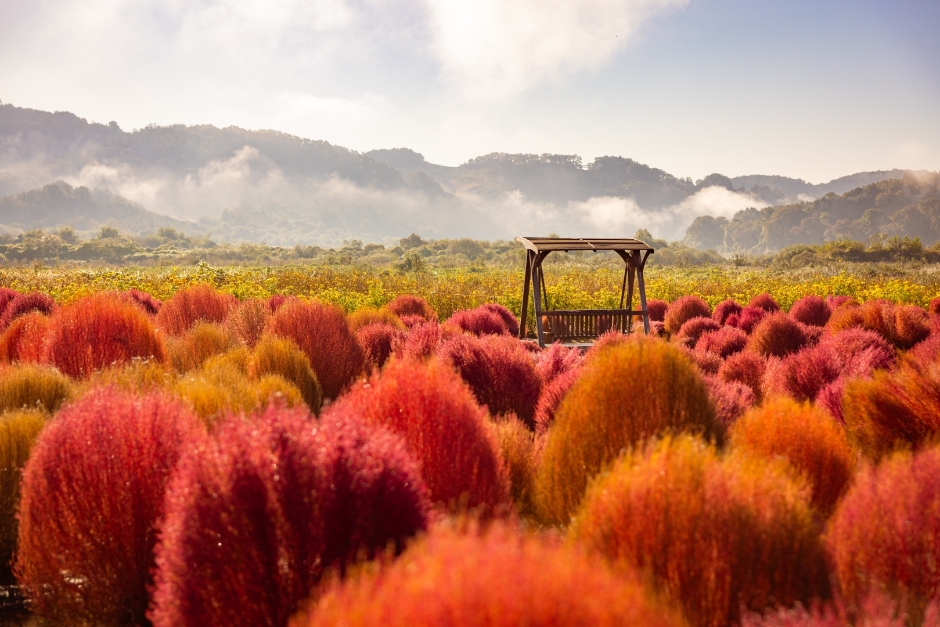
<point>200,303</point>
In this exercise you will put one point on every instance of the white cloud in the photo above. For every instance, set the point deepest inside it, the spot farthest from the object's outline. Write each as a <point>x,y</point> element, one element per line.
<point>491,49</point>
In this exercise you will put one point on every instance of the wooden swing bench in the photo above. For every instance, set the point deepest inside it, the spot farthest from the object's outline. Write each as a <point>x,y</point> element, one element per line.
<point>581,327</point>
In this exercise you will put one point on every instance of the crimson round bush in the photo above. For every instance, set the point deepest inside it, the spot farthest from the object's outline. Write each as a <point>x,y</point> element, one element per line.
<point>499,370</point>
<point>556,360</point>
<point>766,302</point>
<point>410,305</point>
<point>256,517</point>
<point>189,306</point>
<point>656,309</point>
<point>92,494</point>
<point>378,341</point>
<point>692,329</point>
<point>811,310</point>
<point>683,309</point>
<point>747,319</point>
<point>21,304</point>
<point>777,335</point>
<point>724,309</point>
<point>723,342</point>
<point>479,321</point>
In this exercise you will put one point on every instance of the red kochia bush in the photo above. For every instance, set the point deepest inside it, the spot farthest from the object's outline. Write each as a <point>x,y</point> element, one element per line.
<point>682,309</point>
<point>496,578</point>
<point>693,328</point>
<point>320,331</point>
<point>147,303</point>
<point>409,305</point>
<point>875,610</point>
<point>200,303</point>
<point>777,335</point>
<point>808,438</point>
<point>499,370</point>
<point>902,325</point>
<point>766,302</point>
<point>551,397</point>
<point>6,295</point>
<point>378,341</point>
<point>893,409</point>
<point>479,322</point>
<point>92,494</point>
<point>745,367</point>
<point>718,535</point>
<point>723,342</point>
<point>556,360</point>
<point>642,389</point>
<point>803,374</point>
<point>731,399</point>
<point>248,319</point>
<point>724,309</point>
<point>747,319</point>
<point>255,517</point>
<point>23,304</point>
<point>656,309</point>
<point>509,318</point>
<point>443,425</point>
<point>25,339</point>
<point>811,310</point>
<point>422,340</point>
<point>886,531</point>
<point>97,331</point>
<point>860,351</point>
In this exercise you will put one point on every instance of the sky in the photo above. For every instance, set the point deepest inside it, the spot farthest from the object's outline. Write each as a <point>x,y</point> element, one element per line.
<point>813,89</point>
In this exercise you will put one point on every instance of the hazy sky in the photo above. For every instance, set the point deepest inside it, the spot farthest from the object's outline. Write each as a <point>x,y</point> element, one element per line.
<point>807,88</point>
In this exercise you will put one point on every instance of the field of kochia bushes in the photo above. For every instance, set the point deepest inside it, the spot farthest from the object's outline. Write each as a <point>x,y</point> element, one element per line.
<point>209,460</point>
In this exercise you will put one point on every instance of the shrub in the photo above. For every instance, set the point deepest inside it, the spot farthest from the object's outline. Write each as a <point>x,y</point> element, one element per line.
<point>248,319</point>
<point>719,535</point>
<point>499,371</point>
<point>422,341</point>
<point>934,307</point>
<point>147,303</point>
<point>478,322</point>
<point>278,356</point>
<point>724,309</point>
<point>749,318</point>
<point>444,427</point>
<point>92,493</point>
<point>925,352</point>
<point>6,295</point>
<point>555,361</point>
<point>747,368</point>
<point>807,438</point>
<point>464,579</point>
<point>194,347</point>
<point>830,399</point>
<point>379,341</point>
<point>777,335</point>
<point>25,339</point>
<point>551,397</point>
<point>731,399</point>
<point>139,376</point>
<point>277,300</point>
<point>911,324</point>
<point>256,517</point>
<point>22,304</point>
<point>708,363</point>
<point>98,331</point>
<point>766,302</point>
<point>885,534</point>
<point>875,610</point>
<point>803,374</point>
<point>723,342</point>
<point>683,309</point>
<point>811,310</point>
<point>605,341</point>
<point>33,387</point>
<point>893,409</point>
<point>320,331</point>
<point>508,318</point>
<point>692,329</point>
<point>656,309</point>
<point>860,352</point>
<point>903,325</point>
<point>642,389</point>
<point>200,303</point>
<point>409,305</point>
<point>369,315</point>
<point>517,445</point>
<point>18,431</point>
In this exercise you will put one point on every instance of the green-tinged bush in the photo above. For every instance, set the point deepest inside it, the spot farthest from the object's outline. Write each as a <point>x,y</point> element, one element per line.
<point>193,348</point>
<point>18,431</point>
<point>718,535</point>
<point>625,394</point>
<point>517,443</point>
<point>33,387</point>
<point>278,356</point>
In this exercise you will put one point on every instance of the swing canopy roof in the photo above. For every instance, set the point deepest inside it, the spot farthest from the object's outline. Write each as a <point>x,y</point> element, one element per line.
<point>549,244</point>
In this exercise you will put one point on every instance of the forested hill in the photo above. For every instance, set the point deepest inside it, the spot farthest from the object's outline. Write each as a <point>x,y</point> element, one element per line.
<point>909,206</point>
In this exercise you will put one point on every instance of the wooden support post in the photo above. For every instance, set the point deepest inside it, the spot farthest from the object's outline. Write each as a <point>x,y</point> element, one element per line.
<point>537,298</point>
<point>523,321</point>
<point>631,271</point>
<point>642,285</point>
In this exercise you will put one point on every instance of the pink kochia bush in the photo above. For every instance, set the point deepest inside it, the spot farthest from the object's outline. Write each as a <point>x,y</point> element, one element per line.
<point>92,494</point>
<point>479,321</point>
<point>378,341</point>
<point>254,519</point>
<point>320,331</point>
<point>496,578</point>
<point>21,304</point>
<point>445,428</point>
<point>811,310</point>
<point>499,370</point>
<point>747,319</point>
<point>656,309</point>
<point>692,329</point>
<point>885,534</point>
<point>98,331</point>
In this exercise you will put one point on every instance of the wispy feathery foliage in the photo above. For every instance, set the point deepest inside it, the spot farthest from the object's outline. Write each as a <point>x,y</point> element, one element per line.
<point>379,341</point>
<point>320,331</point>
<point>693,328</point>
<point>274,355</point>
<point>723,342</point>
<point>18,431</point>
<point>626,394</point>
<point>22,304</point>
<point>25,339</point>
<point>257,515</point>
<point>811,310</point>
<point>410,305</point>
<point>551,397</point>
<point>479,321</point>
<point>724,309</point>
<point>434,410</point>
<point>766,302</point>
<point>92,494</point>
<point>99,331</point>
<point>719,535</point>
<point>204,340</point>
<point>556,360</point>
<point>683,309</point>
<point>777,335</point>
<point>199,303</point>
<point>495,577</point>
<point>30,386</point>
<point>731,399</point>
<point>656,308</point>
<point>371,315</point>
<point>248,319</point>
<point>517,444</point>
<point>808,438</point>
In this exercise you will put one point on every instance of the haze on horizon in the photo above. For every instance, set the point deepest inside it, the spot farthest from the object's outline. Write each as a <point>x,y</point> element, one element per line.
<point>803,89</point>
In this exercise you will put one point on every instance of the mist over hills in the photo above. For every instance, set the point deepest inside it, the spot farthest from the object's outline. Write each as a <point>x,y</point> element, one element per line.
<point>57,169</point>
